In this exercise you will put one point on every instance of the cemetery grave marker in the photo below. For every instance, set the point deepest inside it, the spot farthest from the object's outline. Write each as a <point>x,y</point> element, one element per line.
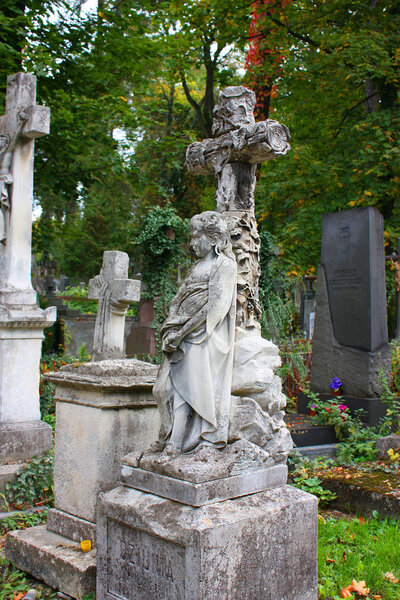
<point>22,434</point>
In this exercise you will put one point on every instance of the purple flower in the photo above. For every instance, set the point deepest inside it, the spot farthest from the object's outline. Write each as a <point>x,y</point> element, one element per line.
<point>313,406</point>
<point>336,384</point>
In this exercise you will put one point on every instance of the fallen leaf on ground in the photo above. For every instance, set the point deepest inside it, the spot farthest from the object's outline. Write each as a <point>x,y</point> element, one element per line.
<point>321,518</point>
<point>18,596</point>
<point>391,577</point>
<point>355,586</point>
<point>330,560</point>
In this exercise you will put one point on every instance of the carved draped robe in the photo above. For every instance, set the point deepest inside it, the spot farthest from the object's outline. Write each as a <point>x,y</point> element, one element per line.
<point>199,372</point>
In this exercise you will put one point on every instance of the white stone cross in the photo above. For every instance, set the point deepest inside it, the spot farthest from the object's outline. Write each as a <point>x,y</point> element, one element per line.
<point>23,122</point>
<point>115,292</point>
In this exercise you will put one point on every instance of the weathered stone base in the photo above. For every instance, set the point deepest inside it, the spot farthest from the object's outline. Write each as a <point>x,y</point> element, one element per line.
<point>20,441</point>
<point>206,492</point>
<point>54,559</point>
<point>8,473</point>
<point>70,526</point>
<point>262,546</point>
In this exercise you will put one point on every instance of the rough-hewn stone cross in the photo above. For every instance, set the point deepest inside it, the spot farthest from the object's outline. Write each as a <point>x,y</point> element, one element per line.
<point>232,155</point>
<point>22,123</point>
<point>115,292</point>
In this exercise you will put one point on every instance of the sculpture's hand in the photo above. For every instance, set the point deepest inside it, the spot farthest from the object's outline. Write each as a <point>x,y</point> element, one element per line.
<point>170,342</point>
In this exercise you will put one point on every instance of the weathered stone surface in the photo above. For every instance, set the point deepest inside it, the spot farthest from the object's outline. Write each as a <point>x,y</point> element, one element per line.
<point>19,441</point>
<point>103,410</point>
<point>350,335</point>
<point>386,443</point>
<point>9,473</point>
<point>205,464</point>
<point>120,375</point>
<point>54,559</point>
<point>115,292</point>
<point>71,527</point>
<point>207,492</point>
<point>239,143</point>
<point>358,500</point>
<point>257,403</point>
<point>259,546</point>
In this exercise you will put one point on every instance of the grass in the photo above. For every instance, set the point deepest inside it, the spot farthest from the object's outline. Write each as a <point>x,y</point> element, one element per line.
<point>360,549</point>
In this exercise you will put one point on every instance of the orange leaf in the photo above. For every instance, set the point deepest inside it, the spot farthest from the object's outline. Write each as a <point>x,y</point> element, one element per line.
<point>391,577</point>
<point>345,592</point>
<point>18,596</point>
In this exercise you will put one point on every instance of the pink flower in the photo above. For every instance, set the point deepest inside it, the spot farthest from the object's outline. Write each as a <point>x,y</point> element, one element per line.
<point>342,407</point>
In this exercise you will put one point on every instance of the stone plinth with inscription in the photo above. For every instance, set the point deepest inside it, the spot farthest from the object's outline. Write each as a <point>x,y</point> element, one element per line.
<point>350,336</point>
<point>103,410</point>
<point>260,546</point>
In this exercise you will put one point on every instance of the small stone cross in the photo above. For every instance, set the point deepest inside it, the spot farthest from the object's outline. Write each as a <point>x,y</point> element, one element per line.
<point>232,155</point>
<point>23,122</point>
<point>115,292</point>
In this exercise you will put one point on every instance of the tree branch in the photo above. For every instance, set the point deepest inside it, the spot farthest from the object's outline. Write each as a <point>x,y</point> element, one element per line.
<point>193,103</point>
<point>348,111</point>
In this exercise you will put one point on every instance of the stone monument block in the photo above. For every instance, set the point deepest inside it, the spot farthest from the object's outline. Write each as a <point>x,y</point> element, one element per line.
<point>350,336</point>
<point>103,410</point>
<point>260,546</point>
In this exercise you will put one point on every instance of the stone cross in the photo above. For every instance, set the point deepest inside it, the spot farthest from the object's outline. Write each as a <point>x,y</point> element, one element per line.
<point>22,123</point>
<point>232,155</point>
<point>115,292</point>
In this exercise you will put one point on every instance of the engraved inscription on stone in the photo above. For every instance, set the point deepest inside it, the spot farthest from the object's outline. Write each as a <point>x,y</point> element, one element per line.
<point>345,257</point>
<point>142,566</point>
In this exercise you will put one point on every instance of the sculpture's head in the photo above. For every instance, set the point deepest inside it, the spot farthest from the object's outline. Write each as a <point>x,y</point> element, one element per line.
<point>208,231</point>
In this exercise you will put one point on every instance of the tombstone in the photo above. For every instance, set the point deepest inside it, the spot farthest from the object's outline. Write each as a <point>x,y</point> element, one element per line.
<point>115,292</point>
<point>22,433</point>
<point>350,338</point>
<point>142,337</point>
<point>219,521</point>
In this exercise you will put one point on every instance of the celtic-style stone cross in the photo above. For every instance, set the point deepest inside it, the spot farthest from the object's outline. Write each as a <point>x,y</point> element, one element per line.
<point>115,292</point>
<point>23,122</point>
<point>232,155</point>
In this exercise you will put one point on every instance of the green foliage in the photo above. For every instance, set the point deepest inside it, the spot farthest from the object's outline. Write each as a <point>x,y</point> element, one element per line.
<point>359,447</point>
<point>312,485</point>
<point>160,246</point>
<point>358,549</point>
<point>333,412</point>
<point>13,581</point>
<point>274,291</point>
<point>76,298</point>
<point>22,521</point>
<point>295,370</point>
<point>48,362</point>
<point>34,483</point>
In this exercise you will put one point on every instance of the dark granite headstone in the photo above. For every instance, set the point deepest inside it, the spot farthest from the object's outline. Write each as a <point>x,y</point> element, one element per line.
<point>350,336</point>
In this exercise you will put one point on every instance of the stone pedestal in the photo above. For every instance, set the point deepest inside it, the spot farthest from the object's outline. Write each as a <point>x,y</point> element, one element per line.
<point>217,524</point>
<point>261,546</point>
<point>103,410</point>
<point>22,433</point>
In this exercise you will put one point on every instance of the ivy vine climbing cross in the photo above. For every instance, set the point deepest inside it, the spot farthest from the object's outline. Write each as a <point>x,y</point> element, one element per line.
<point>232,155</point>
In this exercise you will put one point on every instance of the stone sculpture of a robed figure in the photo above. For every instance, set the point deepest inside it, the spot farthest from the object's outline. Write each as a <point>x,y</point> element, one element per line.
<point>193,388</point>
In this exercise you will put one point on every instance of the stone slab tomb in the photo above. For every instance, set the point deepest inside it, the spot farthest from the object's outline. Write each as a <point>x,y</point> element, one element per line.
<point>350,337</point>
<point>22,433</point>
